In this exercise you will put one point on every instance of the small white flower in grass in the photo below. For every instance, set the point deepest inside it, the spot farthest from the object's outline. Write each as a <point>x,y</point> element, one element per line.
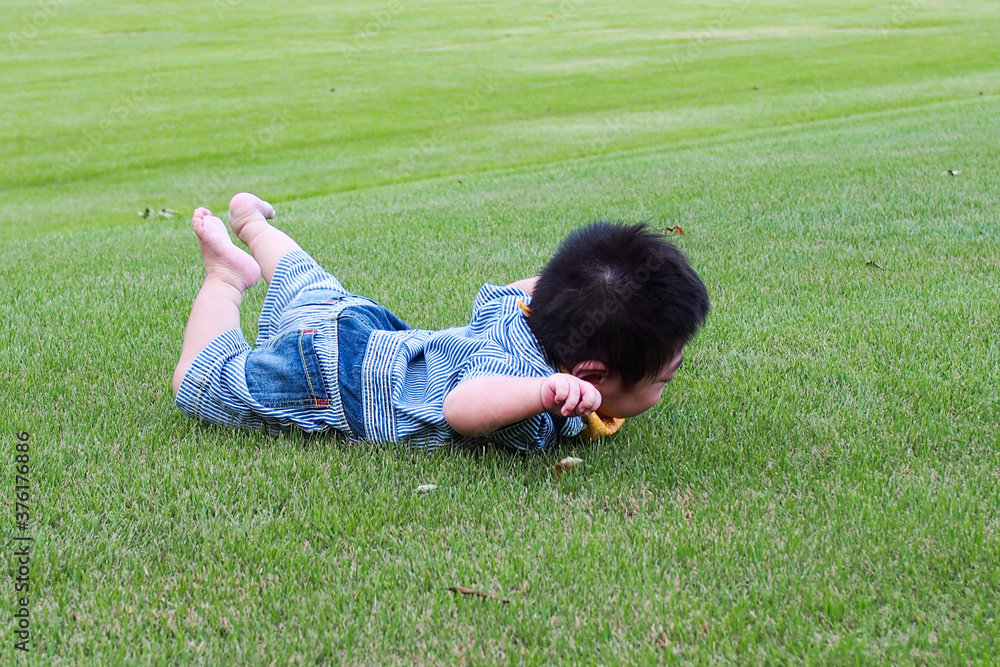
<point>426,488</point>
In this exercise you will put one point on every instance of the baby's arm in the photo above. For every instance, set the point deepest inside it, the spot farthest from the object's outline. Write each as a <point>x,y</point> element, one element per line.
<point>482,405</point>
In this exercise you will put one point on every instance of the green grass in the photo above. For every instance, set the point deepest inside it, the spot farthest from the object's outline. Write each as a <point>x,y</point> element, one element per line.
<point>111,109</point>
<point>821,483</point>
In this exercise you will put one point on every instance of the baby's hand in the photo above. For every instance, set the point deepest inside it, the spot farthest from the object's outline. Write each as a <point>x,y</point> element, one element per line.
<point>570,395</point>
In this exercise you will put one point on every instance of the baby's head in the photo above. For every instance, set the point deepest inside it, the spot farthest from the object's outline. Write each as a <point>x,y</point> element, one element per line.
<point>616,305</point>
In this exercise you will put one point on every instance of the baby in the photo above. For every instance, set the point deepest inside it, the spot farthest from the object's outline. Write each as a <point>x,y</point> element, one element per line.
<point>593,339</point>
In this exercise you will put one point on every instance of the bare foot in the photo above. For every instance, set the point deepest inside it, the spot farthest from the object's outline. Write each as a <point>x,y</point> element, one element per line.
<point>222,258</point>
<point>246,209</point>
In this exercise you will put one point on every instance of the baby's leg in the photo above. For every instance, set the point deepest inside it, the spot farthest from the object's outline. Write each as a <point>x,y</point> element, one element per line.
<point>229,272</point>
<point>248,216</point>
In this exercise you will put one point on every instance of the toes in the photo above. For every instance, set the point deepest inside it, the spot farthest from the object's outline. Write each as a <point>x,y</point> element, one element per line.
<point>198,219</point>
<point>208,226</point>
<point>212,221</point>
<point>266,209</point>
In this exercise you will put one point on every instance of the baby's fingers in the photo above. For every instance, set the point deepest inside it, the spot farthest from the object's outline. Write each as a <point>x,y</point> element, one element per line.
<point>554,391</point>
<point>572,399</point>
<point>560,390</point>
<point>590,401</point>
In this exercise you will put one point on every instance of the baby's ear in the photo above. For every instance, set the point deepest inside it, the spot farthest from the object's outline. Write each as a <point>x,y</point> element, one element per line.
<point>590,370</point>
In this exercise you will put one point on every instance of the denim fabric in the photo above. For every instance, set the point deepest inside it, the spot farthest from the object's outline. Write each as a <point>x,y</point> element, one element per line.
<point>285,373</point>
<point>354,328</point>
<point>291,379</point>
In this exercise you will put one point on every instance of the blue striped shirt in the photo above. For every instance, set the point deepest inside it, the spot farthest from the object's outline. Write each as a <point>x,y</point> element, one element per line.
<point>407,374</point>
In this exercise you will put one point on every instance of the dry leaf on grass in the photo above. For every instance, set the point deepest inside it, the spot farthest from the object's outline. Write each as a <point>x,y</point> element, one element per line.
<point>163,213</point>
<point>566,465</point>
<point>462,590</point>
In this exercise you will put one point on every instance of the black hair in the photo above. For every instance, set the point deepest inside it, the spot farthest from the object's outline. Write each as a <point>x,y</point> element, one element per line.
<point>619,294</point>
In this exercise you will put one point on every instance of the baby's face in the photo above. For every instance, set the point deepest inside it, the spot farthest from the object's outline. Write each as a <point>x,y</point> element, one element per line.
<point>617,401</point>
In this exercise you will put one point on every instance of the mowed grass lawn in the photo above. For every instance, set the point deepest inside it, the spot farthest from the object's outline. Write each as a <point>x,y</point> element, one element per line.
<point>821,483</point>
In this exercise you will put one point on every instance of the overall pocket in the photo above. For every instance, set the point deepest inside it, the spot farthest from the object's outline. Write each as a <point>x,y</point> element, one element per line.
<point>285,373</point>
